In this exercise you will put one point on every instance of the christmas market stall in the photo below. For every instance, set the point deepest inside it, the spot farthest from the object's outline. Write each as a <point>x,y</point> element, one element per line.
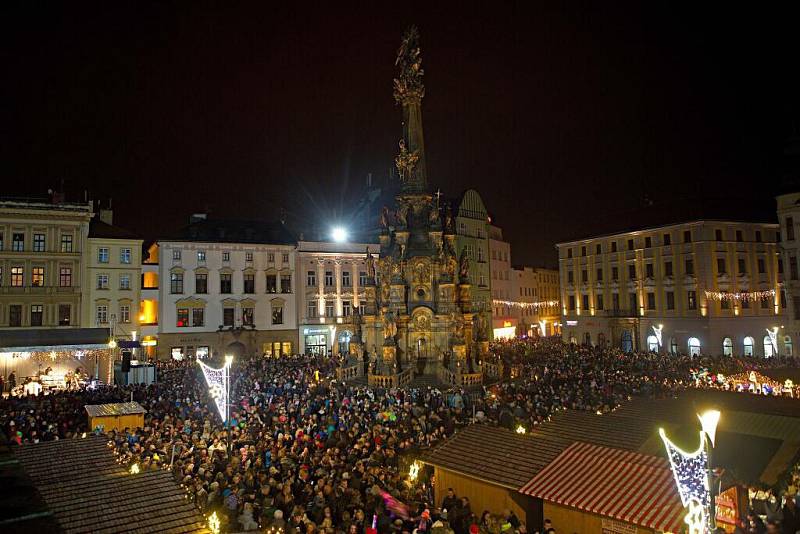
<point>115,416</point>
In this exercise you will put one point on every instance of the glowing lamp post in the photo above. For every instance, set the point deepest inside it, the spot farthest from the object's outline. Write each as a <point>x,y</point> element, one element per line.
<point>219,388</point>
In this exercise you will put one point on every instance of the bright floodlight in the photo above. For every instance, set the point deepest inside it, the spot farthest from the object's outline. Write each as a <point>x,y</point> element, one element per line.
<point>339,234</point>
<point>709,421</point>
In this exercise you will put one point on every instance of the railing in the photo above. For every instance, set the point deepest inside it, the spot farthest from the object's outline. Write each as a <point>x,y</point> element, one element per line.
<point>471,379</point>
<point>405,377</point>
<point>349,373</point>
<point>446,376</point>
<point>491,369</point>
<point>381,381</point>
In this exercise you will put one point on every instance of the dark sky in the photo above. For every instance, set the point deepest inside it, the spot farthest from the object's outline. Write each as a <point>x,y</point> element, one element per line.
<point>568,117</point>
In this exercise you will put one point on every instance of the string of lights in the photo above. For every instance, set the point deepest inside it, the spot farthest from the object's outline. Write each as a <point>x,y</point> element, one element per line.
<point>749,296</point>
<point>525,305</point>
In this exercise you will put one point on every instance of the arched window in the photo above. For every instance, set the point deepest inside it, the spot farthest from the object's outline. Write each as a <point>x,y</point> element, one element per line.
<point>769,348</point>
<point>727,347</point>
<point>749,343</point>
<point>652,343</point>
<point>626,342</point>
<point>673,346</point>
<point>787,345</point>
<point>694,346</point>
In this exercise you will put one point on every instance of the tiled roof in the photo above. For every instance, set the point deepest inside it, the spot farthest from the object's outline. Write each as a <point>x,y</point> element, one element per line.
<point>88,491</point>
<point>114,408</point>
<point>100,229</point>
<point>496,455</point>
<point>235,231</point>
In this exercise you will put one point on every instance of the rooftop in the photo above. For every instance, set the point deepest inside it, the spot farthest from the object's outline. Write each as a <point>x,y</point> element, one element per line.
<point>234,231</point>
<point>115,408</point>
<point>99,229</point>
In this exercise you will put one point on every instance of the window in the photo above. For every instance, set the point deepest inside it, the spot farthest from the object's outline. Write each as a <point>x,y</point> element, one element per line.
<point>792,268</point>
<point>18,242</point>
<point>226,256</point>
<point>37,276</point>
<point>248,256</point>
<point>286,283</point>
<point>721,265</point>
<point>362,310</point>
<point>66,242</point>
<point>691,300</point>
<point>346,279</point>
<point>687,236</point>
<point>727,347</point>
<point>789,229</point>
<point>572,302</point>
<point>598,249</point>
<point>742,266</point>
<point>651,301</point>
<point>102,281</point>
<point>738,235</point>
<point>64,312</point>
<point>362,279</point>
<point>311,309</point>
<point>670,300</point>
<point>633,302</point>
<point>570,276</point>
<point>102,255</point>
<point>787,345</point>
<point>648,242</point>
<point>689,267</point>
<point>176,283</point>
<point>585,302</point>
<point>249,283</point>
<point>328,308</point>
<point>583,250</point>
<point>248,316</point>
<point>176,254</point>
<point>101,314</point>
<point>125,313</point>
<point>630,244</point>
<point>780,266</point>
<point>584,276</point>
<point>15,315</point>
<point>271,257</point>
<point>694,346</point>
<point>758,236</point>
<point>17,276</point>
<point>346,309</point>
<point>37,310</point>
<point>225,283</point>
<point>615,273</point>
<point>124,281</point>
<point>613,246</point>
<point>311,278</point>
<point>227,316</point>
<point>667,239</point>
<point>632,271</point>
<point>569,253</point>
<point>183,317</point>
<point>667,268</point>
<point>749,342</point>
<point>285,257</point>
<point>277,313</point>
<point>124,255</point>
<point>65,277</point>
<point>760,264</point>
<point>718,234</point>
<point>648,269</point>
<point>329,278</point>
<point>38,242</point>
<point>764,303</point>
<point>201,256</point>
<point>272,283</point>
<point>198,316</point>
<point>201,283</point>
<point>599,275</point>
<point>598,301</point>
<point>652,343</point>
<point>615,301</point>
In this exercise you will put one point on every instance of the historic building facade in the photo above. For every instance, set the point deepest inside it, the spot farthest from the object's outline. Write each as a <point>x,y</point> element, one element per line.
<point>504,322</point>
<point>113,276</point>
<point>535,297</point>
<point>42,264</point>
<point>789,220</point>
<point>472,239</point>
<point>704,286</point>
<point>333,294</point>
<point>226,287</point>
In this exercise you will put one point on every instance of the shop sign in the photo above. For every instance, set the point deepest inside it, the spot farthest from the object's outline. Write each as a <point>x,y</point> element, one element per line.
<point>190,340</point>
<point>610,526</point>
<point>572,323</point>
<point>316,330</point>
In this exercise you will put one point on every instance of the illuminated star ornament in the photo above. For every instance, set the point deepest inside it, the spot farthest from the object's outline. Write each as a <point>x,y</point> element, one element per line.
<point>218,382</point>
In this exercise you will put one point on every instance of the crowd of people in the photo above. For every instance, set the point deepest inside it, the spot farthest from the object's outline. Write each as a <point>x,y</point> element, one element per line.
<point>303,453</point>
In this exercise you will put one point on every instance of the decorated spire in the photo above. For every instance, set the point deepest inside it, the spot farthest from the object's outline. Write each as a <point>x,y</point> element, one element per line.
<point>408,92</point>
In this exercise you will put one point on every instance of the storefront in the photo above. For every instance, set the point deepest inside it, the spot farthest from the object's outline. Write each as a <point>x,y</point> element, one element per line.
<point>317,340</point>
<point>274,349</point>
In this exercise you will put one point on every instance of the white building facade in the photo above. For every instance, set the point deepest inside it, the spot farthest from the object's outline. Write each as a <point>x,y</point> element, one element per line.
<point>711,287</point>
<point>789,220</point>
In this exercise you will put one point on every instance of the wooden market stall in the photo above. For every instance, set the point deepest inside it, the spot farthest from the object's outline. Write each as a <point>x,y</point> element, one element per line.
<point>115,416</point>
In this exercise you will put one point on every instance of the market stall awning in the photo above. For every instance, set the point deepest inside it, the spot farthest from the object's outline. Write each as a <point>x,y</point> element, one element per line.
<point>47,339</point>
<point>614,483</point>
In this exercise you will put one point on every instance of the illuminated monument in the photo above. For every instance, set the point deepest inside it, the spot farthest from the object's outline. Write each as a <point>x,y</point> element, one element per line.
<point>423,321</point>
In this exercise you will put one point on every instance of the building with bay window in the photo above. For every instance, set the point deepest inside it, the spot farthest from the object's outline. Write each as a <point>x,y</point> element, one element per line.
<point>706,286</point>
<point>222,287</point>
<point>332,294</point>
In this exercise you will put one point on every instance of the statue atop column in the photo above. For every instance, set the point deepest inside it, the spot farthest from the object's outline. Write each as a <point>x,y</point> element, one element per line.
<point>370,268</point>
<point>408,92</point>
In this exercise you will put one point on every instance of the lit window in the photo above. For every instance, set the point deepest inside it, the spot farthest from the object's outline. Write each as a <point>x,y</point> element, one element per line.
<point>17,276</point>
<point>277,314</point>
<point>176,283</point>
<point>248,316</point>
<point>272,283</point>
<point>176,254</point>
<point>201,256</point>
<point>102,255</point>
<point>183,317</point>
<point>37,276</point>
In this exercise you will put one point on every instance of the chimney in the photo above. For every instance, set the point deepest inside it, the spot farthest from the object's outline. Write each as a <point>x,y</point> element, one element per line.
<point>197,217</point>
<point>106,216</point>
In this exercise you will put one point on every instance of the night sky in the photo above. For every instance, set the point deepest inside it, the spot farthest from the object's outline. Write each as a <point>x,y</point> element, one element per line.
<point>569,118</point>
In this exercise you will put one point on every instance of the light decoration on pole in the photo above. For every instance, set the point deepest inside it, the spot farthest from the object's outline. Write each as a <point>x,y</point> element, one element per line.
<point>520,429</point>
<point>543,327</point>
<point>749,296</point>
<point>657,331</point>
<point>691,472</point>
<point>413,471</point>
<point>135,469</point>
<point>773,338</point>
<point>218,381</point>
<point>525,305</point>
<point>214,524</point>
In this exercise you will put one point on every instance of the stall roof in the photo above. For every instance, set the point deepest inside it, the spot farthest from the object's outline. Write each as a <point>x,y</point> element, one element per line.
<point>623,485</point>
<point>114,408</point>
<point>47,339</point>
<point>87,491</point>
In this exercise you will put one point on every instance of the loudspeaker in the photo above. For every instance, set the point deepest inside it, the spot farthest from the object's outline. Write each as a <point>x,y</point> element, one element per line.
<point>126,361</point>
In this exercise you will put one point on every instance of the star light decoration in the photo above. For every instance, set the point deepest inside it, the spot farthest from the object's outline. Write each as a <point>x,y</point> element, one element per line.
<point>218,382</point>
